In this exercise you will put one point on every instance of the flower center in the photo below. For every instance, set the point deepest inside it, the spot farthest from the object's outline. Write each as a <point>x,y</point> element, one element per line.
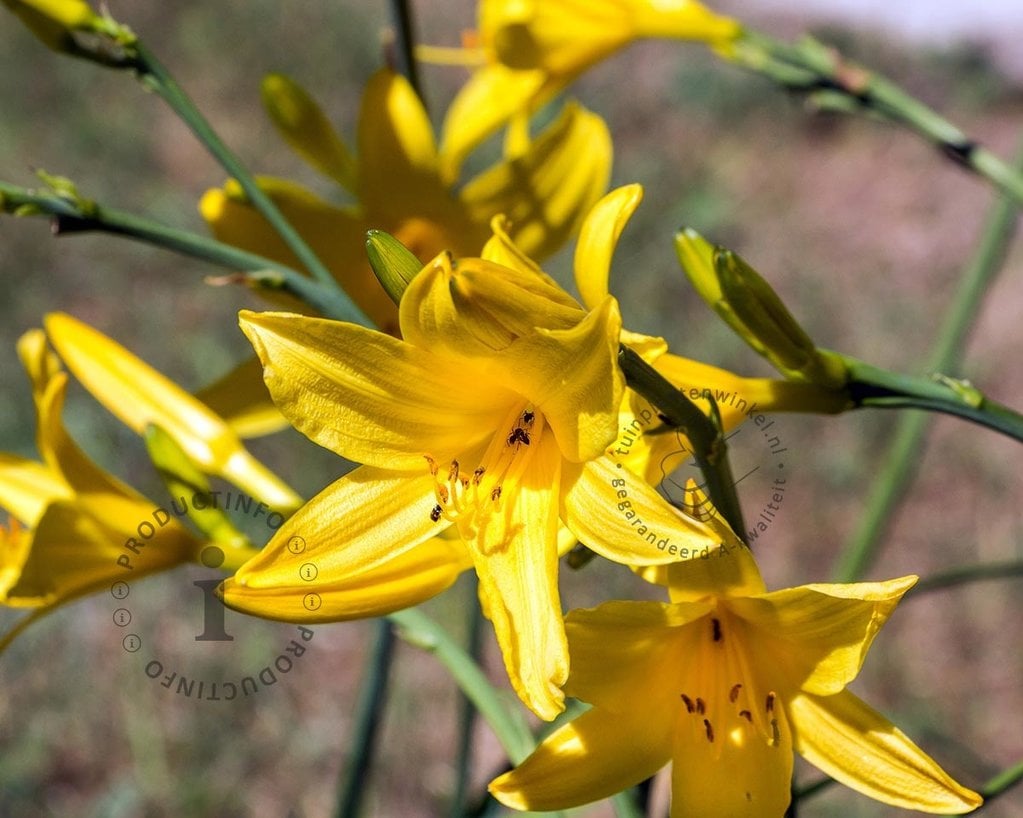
<point>469,497</point>
<point>725,704</point>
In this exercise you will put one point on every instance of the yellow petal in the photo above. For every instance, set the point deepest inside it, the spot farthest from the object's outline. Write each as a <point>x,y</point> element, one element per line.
<point>572,376</point>
<point>720,773</point>
<point>368,396</point>
<point>516,559</point>
<point>598,238</point>
<point>306,129</point>
<point>27,487</point>
<point>398,166</point>
<point>683,20</point>
<point>335,234</point>
<point>591,757</point>
<point>364,546</point>
<point>473,307</point>
<point>502,249</point>
<point>856,745</point>
<point>621,517</point>
<point>140,396</point>
<point>73,553</point>
<point>241,398</point>
<point>820,634</point>
<point>645,651</point>
<point>491,96</point>
<point>546,192</point>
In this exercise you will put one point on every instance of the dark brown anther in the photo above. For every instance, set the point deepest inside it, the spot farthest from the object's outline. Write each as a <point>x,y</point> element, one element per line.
<point>716,625</point>
<point>701,708</point>
<point>709,729</point>
<point>769,704</point>
<point>688,703</point>
<point>775,732</point>
<point>746,715</point>
<point>478,475</point>
<point>733,694</point>
<point>495,495</point>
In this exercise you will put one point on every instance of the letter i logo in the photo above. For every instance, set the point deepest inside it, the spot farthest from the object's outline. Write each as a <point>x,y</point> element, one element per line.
<point>212,606</point>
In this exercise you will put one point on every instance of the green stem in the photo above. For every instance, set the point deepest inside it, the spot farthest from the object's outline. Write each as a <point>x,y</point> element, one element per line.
<point>72,216</point>
<point>899,468</point>
<point>1000,784</point>
<point>368,715</point>
<point>811,67</point>
<point>507,723</point>
<point>709,449</point>
<point>404,44</point>
<point>154,76</point>
<point>871,386</point>
<point>466,710</point>
<point>1007,569</point>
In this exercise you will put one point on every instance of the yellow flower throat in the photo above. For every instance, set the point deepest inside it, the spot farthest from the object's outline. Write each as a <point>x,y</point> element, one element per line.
<point>471,497</point>
<point>724,704</point>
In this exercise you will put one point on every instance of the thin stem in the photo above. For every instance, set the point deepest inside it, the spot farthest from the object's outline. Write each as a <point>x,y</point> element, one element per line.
<point>72,216</point>
<point>709,449</point>
<point>405,43</point>
<point>1000,784</point>
<point>899,468</point>
<point>466,709</point>
<point>508,725</point>
<point>1008,569</point>
<point>154,76</point>
<point>871,386</point>
<point>368,715</point>
<point>813,68</point>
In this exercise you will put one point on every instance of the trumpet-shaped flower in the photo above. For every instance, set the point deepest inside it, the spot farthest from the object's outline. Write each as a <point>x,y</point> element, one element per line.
<point>79,525</point>
<point>529,50</point>
<point>725,682</point>
<point>490,416</point>
<point>405,186</point>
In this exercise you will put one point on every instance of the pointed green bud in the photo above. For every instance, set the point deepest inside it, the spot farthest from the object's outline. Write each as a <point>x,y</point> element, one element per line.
<point>54,21</point>
<point>393,263</point>
<point>307,130</point>
<point>749,305</point>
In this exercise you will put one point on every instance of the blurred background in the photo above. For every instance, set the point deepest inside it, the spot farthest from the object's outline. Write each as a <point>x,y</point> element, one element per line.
<point>863,229</point>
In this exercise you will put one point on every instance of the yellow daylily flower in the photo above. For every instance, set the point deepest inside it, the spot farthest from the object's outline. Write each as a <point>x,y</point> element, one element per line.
<point>53,21</point>
<point>140,396</point>
<point>405,186</point>
<point>736,397</point>
<point>724,682</point>
<point>80,528</point>
<point>528,51</point>
<point>491,416</point>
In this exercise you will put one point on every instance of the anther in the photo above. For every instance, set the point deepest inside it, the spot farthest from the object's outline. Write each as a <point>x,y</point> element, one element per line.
<point>495,495</point>
<point>688,703</point>
<point>432,464</point>
<point>444,494</point>
<point>769,704</point>
<point>453,471</point>
<point>701,708</point>
<point>709,729</point>
<point>733,694</point>
<point>775,732</point>
<point>716,623</point>
<point>746,715</point>
<point>478,475</point>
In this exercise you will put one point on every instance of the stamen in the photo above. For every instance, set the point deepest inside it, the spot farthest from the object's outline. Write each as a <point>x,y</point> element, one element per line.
<point>746,715</point>
<point>775,733</point>
<point>688,703</point>
<point>477,475</point>
<point>716,623</point>
<point>709,729</point>
<point>733,694</point>
<point>495,495</point>
<point>769,704</point>
<point>432,464</point>
<point>701,708</point>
